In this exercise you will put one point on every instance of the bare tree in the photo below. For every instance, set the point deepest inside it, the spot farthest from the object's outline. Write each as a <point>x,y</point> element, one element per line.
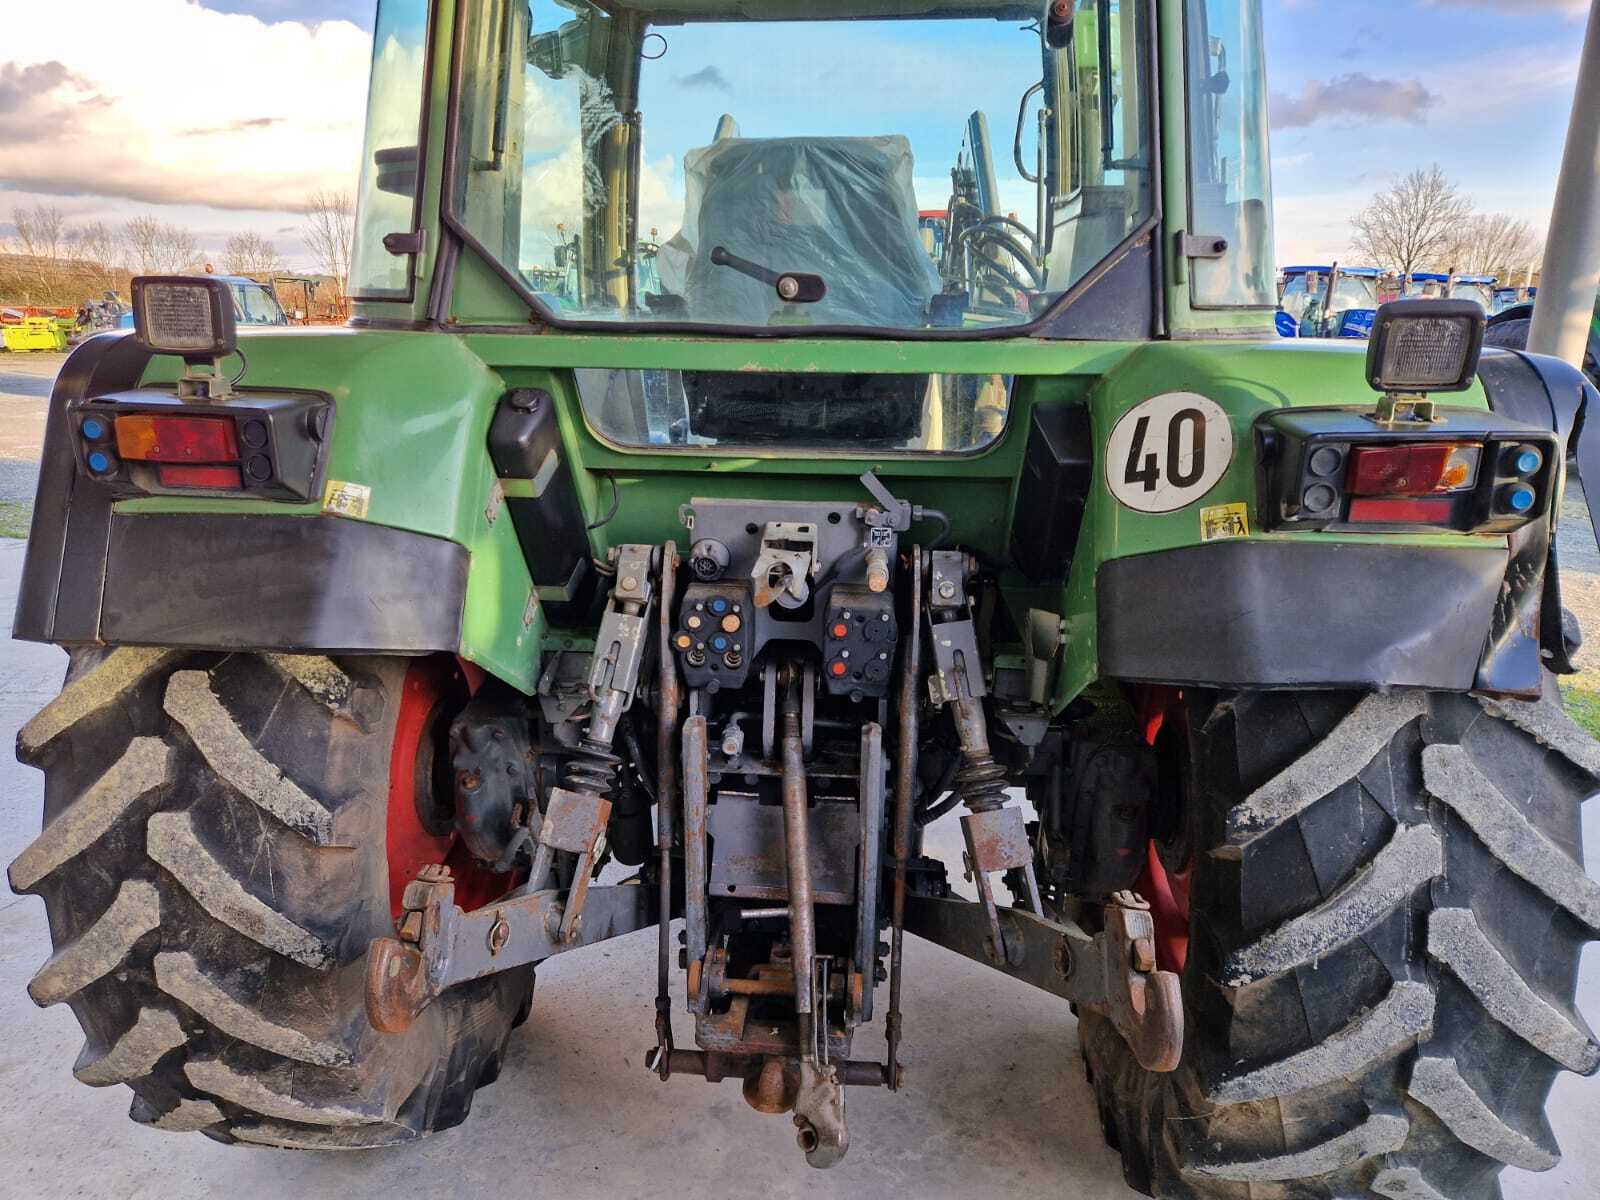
<point>41,237</point>
<point>99,246</point>
<point>328,231</point>
<point>251,254</point>
<point>1496,244</point>
<point>159,248</point>
<point>1412,225</point>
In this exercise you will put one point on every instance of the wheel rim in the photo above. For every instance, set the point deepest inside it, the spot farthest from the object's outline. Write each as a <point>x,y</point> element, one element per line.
<point>1161,710</point>
<point>435,690</point>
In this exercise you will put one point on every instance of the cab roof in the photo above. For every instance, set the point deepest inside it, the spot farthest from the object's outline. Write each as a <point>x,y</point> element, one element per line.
<point>1358,272</point>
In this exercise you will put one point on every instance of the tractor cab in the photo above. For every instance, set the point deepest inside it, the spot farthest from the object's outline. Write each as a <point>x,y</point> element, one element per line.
<point>1328,302</point>
<point>811,207</point>
<point>1478,288</point>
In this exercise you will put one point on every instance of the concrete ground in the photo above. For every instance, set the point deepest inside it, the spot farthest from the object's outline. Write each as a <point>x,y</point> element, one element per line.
<point>995,1102</point>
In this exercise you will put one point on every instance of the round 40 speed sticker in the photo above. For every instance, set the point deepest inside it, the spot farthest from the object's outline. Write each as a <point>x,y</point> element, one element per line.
<point>1168,451</point>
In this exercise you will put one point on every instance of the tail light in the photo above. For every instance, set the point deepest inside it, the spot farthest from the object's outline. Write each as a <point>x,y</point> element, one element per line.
<point>1468,471</point>
<point>148,442</point>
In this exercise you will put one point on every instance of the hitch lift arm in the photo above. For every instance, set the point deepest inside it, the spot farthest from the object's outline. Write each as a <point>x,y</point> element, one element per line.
<point>1112,973</point>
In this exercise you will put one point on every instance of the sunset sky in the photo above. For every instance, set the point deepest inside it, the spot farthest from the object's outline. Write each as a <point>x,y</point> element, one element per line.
<point>222,116</point>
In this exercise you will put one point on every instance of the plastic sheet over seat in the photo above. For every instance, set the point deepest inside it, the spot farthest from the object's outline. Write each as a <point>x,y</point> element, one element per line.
<point>842,208</point>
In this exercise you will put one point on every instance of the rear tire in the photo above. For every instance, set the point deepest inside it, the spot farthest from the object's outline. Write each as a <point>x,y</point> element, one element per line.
<point>1384,944</point>
<point>214,865</point>
<point>1513,335</point>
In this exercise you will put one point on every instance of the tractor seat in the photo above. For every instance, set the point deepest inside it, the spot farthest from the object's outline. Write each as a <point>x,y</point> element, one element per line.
<point>841,208</point>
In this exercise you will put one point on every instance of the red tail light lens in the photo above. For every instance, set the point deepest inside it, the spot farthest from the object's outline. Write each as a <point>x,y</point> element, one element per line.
<point>1431,510</point>
<point>148,437</point>
<point>176,475</point>
<point>1414,470</point>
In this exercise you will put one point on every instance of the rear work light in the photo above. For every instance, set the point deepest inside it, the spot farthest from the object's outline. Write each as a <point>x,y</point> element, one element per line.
<point>1465,470</point>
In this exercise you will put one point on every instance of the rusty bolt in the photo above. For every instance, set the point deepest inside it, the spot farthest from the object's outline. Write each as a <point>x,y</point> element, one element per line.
<point>1143,955</point>
<point>469,780</point>
<point>499,933</point>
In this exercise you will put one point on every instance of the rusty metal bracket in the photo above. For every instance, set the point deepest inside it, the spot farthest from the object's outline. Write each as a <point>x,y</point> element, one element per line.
<point>1112,973</point>
<point>440,945</point>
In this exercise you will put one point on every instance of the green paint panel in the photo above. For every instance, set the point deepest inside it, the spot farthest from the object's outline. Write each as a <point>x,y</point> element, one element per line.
<point>414,410</point>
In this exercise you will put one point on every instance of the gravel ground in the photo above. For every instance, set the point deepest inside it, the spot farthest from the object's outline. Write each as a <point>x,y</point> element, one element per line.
<point>25,381</point>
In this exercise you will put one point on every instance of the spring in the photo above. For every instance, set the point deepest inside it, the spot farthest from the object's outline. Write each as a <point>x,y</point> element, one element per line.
<point>594,770</point>
<point>981,781</point>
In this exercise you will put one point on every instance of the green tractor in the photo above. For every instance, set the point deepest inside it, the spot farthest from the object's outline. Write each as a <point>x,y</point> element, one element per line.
<point>407,656</point>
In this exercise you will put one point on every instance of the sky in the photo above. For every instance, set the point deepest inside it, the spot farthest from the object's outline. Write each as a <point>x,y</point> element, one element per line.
<point>223,115</point>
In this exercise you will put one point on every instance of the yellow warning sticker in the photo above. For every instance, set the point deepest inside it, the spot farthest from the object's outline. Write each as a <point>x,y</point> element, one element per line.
<point>1224,521</point>
<point>346,499</point>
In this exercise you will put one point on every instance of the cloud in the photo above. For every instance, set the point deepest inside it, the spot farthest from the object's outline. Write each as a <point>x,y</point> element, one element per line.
<point>1356,95</point>
<point>41,101</point>
<point>122,122</point>
<point>705,77</point>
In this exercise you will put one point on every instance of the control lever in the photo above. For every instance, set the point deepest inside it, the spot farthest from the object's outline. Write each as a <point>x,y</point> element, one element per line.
<point>898,515</point>
<point>793,287</point>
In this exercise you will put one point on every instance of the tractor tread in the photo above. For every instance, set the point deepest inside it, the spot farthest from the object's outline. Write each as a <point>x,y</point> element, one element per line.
<point>97,689</point>
<point>323,678</point>
<point>1380,978</point>
<point>153,1035</point>
<point>141,769</point>
<point>1412,857</point>
<point>1405,1183</point>
<point>191,702</point>
<point>208,933</point>
<point>187,1116</point>
<point>1436,1083</point>
<point>180,976</point>
<point>1451,776</point>
<point>1381,1133</point>
<point>101,948</point>
<point>250,1090</point>
<point>1338,758</point>
<point>1552,728</point>
<point>1404,1015</point>
<point>290,1136</point>
<point>174,844</point>
<point>1457,940</point>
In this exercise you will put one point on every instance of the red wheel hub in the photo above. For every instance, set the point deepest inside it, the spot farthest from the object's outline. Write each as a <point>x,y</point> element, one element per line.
<point>1167,891</point>
<point>434,692</point>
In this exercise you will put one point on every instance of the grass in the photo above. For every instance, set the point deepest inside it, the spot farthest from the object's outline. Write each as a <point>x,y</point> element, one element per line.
<point>1583,706</point>
<point>15,516</point>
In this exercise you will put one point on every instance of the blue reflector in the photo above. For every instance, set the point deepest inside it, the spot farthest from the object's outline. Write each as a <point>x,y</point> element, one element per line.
<point>99,461</point>
<point>1528,462</point>
<point>717,605</point>
<point>93,430</point>
<point>1520,498</point>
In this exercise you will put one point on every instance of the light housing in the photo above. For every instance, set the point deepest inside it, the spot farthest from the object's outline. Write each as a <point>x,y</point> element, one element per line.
<point>1423,346</point>
<point>190,316</point>
<point>148,442</point>
<point>1466,470</point>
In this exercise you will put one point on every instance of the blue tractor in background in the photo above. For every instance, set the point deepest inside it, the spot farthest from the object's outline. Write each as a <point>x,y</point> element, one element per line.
<point>1475,287</point>
<point>1328,302</point>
